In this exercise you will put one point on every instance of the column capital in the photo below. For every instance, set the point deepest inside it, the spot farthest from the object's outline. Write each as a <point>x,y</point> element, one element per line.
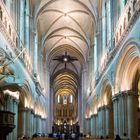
<point>43,119</point>
<point>29,110</point>
<point>37,116</point>
<point>22,109</point>
<point>92,116</point>
<point>124,94</point>
<point>16,101</point>
<point>95,115</point>
<point>102,108</point>
<point>107,107</point>
<point>129,93</point>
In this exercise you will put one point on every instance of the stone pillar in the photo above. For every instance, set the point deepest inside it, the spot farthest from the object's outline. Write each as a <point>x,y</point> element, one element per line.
<point>22,7</point>
<point>84,125</point>
<point>104,122</point>
<point>99,122</point>
<point>101,112</point>
<point>80,115</point>
<point>32,122</point>
<point>38,125</point>
<point>123,113</point>
<point>9,107</point>
<point>107,121</point>
<point>132,106</point>
<point>115,108</point>
<point>97,125</point>
<point>89,126</point>
<point>94,120</point>
<point>120,115</point>
<point>15,110</point>
<point>42,125</point>
<point>125,105</point>
<point>83,98</point>
<point>92,125</point>
<point>28,122</point>
<point>21,122</point>
<point>27,24</point>
<point>35,124</point>
<point>36,54</point>
<point>95,53</point>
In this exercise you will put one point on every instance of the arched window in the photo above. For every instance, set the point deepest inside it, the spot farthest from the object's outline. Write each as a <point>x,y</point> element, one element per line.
<point>71,98</point>
<point>64,99</point>
<point>58,98</point>
<point>106,25</point>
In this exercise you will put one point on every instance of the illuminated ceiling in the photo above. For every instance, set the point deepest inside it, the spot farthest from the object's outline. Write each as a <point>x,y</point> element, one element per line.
<point>70,22</point>
<point>65,83</point>
<point>66,26</point>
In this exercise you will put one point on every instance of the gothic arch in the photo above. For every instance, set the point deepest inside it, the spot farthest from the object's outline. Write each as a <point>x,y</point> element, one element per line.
<point>128,64</point>
<point>105,93</point>
<point>26,95</point>
<point>88,111</point>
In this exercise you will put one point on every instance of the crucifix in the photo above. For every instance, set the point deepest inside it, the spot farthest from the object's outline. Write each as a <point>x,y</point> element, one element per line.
<point>65,59</point>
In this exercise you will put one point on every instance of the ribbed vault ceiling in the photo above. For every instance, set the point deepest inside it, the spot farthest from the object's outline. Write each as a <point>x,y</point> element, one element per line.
<point>65,83</point>
<point>63,22</point>
<point>66,26</point>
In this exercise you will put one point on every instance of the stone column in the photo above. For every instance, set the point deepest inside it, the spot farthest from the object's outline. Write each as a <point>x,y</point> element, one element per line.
<point>125,106</point>
<point>38,125</point>
<point>132,106</point>
<point>32,122</point>
<point>9,107</point>
<point>95,53</point>
<point>101,112</point>
<point>86,126</point>
<point>120,114</point>
<point>36,54</point>
<point>94,118</point>
<point>104,122</point>
<point>22,7</point>
<point>35,123</point>
<point>42,125</point>
<point>15,110</point>
<point>123,113</point>
<point>115,108</point>
<point>91,125</point>
<point>27,24</point>
<point>83,98</point>
<point>107,121</point>
<point>99,122</point>
<point>28,122</point>
<point>21,122</point>
<point>97,125</point>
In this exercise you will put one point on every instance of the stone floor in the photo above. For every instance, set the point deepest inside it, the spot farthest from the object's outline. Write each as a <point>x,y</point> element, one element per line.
<point>62,139</point>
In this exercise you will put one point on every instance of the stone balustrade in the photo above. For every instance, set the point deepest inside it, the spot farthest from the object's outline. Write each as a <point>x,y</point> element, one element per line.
<point>125,18</point>
<point>125,22</point>
<point>7,25</point>
<point>7,28</point>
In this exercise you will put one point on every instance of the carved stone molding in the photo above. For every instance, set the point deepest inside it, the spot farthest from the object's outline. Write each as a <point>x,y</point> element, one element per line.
<point>6,35</point>
<point>137,5</point>
<point>124,94</point>
<point>2,56</point>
